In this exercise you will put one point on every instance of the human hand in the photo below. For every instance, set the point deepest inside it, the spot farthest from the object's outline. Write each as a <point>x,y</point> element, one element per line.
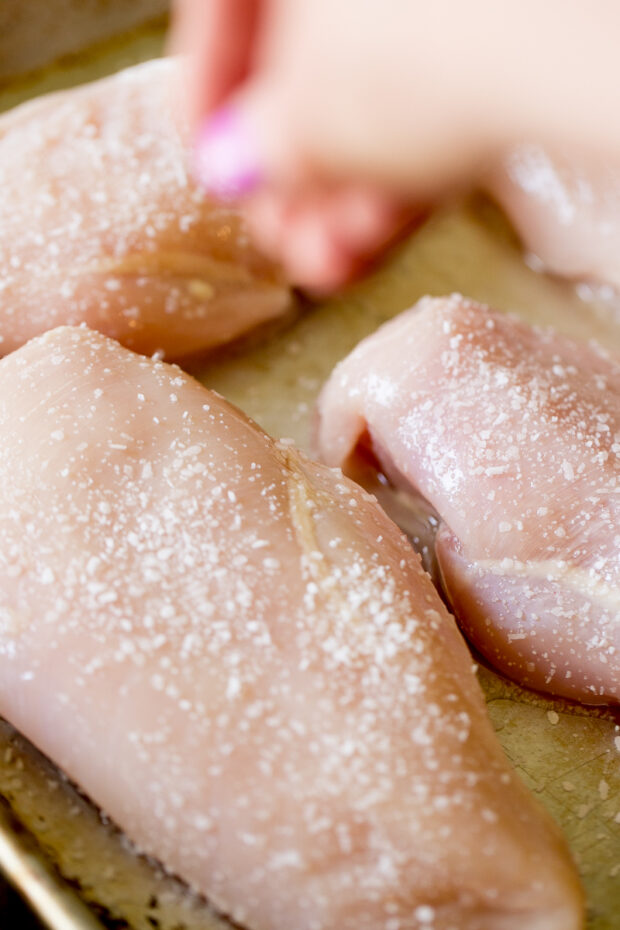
<point>341,119</point>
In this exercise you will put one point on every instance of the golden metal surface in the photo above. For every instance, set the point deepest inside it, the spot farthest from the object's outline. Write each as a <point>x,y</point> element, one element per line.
<point>51,899</point>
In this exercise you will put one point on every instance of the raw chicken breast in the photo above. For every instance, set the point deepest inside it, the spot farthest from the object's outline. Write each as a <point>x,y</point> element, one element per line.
<point>566,208</point>
<point>513,436</point>
<point>236,654</point>
<point>101,223</point>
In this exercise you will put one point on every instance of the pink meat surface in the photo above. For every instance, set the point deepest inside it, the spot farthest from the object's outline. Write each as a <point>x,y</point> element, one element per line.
<point>100,223</point>
<point>566,208</point>
<point>513,435</point>
<point>235,653</point>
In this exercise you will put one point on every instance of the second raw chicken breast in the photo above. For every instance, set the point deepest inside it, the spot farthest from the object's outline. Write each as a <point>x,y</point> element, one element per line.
<point>513,436</point>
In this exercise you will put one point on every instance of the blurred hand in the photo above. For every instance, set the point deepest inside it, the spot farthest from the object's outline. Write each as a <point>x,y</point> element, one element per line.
<point>338,119</point>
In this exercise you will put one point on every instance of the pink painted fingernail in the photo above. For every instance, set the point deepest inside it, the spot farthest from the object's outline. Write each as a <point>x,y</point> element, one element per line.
<point>225,160</point>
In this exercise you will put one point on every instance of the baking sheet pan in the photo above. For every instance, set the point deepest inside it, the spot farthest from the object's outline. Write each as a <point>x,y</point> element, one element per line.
<point>569,756</point>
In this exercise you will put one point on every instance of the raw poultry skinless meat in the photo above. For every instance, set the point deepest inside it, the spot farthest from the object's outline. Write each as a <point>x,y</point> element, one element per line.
<point>239,657</point>
<point>101,223</point>
<point>512,434</point>
<point>566,208</point>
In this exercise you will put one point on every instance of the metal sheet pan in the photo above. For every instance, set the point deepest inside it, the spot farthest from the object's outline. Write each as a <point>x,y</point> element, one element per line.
<point>569,756</point>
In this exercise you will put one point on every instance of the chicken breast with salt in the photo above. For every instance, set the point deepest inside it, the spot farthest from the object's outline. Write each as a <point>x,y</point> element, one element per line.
<point>101,223</point>
<point>513,436</point>
<point>566,208</point>
<point>235,653</point>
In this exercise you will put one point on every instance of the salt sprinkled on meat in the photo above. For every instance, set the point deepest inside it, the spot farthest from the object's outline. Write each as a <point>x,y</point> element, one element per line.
<point>100,223</point>
<point>532,170</point>
<point>238,656</point>
<point>565,205</point>
<point>511,433</point>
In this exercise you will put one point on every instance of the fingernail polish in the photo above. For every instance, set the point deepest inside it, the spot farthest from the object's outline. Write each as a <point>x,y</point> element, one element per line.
<point>225,161</point>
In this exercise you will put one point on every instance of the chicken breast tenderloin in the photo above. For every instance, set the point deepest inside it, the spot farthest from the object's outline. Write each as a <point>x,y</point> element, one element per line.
<point>513,435</point>
<point>100,223</point>
<point>235,653</point>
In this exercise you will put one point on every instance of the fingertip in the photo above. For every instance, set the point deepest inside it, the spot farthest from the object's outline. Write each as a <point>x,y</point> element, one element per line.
<point>313,260</point>
<point>364,220</point>
<point>330,279</point>
<point>267,215</point>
